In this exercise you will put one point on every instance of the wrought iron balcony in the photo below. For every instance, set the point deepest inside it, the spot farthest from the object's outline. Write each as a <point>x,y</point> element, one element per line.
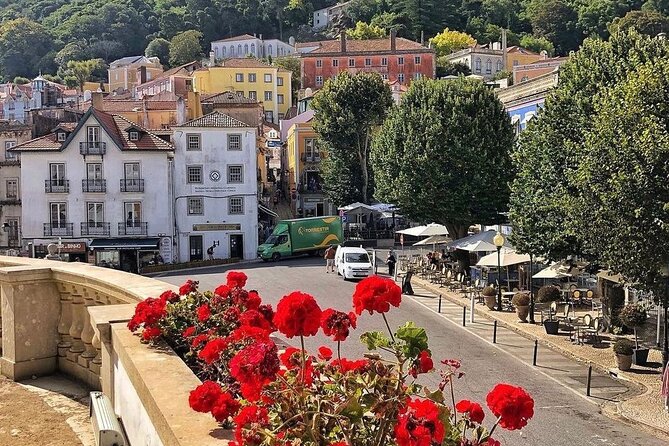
<point>95,228</point>
<point>57,229</point>
<point>57,186</point>
<point>132,185</point>
<point>94,185</point>
<point>311,158</point>
<point>92,148</point>
<point>133,228</point>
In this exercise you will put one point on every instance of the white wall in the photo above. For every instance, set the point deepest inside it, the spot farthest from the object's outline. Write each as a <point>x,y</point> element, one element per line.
<point>254,46</point>
<point>215,156</point>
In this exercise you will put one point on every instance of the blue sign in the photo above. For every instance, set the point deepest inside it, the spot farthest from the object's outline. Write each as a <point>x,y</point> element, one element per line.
<point>344,218</point>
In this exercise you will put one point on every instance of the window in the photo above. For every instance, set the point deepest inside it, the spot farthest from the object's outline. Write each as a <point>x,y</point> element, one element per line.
<point>232,51</point>
<point>351,62</point>
<point>93,134</point>
<point>488,66</point>
<point>279,81</point>
<point>252,77</point>
<point>239,77</point>
<point>499,65</point>
<point>131,171</point>
<point>235,174</point>
<point>194,174</point>
<point>384,61</point>
<point>61,136</point>
<point>319,81</point>
<point>223,51</point>
<point>319,63</point>
<point>58,214</point>
<point>368,62</point>
<point>515,63</point>
<point>95,214</point>
<point>239,50</point>
<point>417,75</point>
<point>279,99</point>
<point>246,49</point>
<point>268,95</point>
<point>13,233</point>
<point>253,95</point>
<point>9,155</point>
<point>57,174</point>
<point>12,189</point>
<point>193,142</point>
<point>384,76</point>
<point>478,65</point>
<point>133,214</point>
<point>335,62</point>
<point>93,171</point>
<point>400,61</point>
<point>195,206</point>
<point>253,49</point>
<point>269,116</point>
<point>400,78</point>
<point>281,115</point>
<point>234,142</point>
<point>310,149</point>
<point>236,205</point>
<point>268,78</point>
<point>416,60</point>
<point>134,135</point>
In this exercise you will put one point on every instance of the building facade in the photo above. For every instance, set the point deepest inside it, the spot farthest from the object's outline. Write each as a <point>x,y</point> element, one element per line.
<point>10,186</point>
<point>178,80</point>
<point>516,55</point>
<point>250,45</point>
<point>323,17</point>
<point>254,79</point>
<point>485,62</point>
<point>527,72</point>
<point>215,188</point>
<point>128,72</point>
<point>524,101</point>
<point>101,191</point>
<point>394,58</point>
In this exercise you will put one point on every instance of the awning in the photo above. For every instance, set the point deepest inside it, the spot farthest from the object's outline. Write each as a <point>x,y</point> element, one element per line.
<point>268,211</point>
<point>125,243</point>
<point>611,277</point>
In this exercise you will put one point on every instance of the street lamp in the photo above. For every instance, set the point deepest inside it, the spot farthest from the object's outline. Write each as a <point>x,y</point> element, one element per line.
<point>498,240</point>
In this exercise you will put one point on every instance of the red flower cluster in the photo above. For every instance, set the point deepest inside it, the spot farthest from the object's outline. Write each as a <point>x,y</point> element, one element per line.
<point>422,364</point>
<point>254,318</point>
<point>189,287</point>
<point>297,314</point>
<point>255,366</point>
<point>204,396</point>
<point>376,294</point>
<point>324,353</point>
<point>147,313</point>
<point>212,350</point>
<point>203,313</point>
<point>222,291</point>
<point>169,296</point>
<point>188,332</point>
<point>337,323</point>
<point>418,424</point>
<point>473,410</point>
<point>513,405</point>
<point>151,333</point>
<point>346,365</point>
<point>249,421</point>
<point>236,279</point>
<point>225,406</point>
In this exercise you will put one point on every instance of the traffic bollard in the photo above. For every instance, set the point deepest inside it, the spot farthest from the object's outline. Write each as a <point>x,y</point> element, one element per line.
<point>494,333</point>
<point>587,391</point>
<point>536,347</point>
<point>464,316</point>
<point>439,308</point>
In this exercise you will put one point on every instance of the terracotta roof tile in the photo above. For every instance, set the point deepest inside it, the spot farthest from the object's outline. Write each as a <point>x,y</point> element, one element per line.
<point>43,143</point>
<point>227,97</point>
<point>215,119</point>
<point>118,106</point>
<point>366,46</point>
<point>246,62</point>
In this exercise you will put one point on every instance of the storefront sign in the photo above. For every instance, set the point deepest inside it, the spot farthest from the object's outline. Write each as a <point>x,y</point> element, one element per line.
<point>166,249</point>
<point>208,189</point>
<point>79,247</point>
<point>217,227</point>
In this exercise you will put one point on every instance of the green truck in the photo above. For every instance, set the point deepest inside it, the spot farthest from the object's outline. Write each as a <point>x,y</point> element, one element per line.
<point>302,236</point>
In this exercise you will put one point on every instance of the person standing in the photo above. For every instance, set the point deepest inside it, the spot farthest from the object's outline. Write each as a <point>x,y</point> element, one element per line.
<point>329,259</point>
<point>391,261</point>
<point>210,252</point>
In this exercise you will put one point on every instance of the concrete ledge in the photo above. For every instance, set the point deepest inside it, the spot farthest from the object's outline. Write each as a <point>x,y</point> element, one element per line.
<point>18,371</point>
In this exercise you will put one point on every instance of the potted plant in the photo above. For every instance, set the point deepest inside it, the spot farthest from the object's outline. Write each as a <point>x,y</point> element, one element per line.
<point>546,295</point>
<point>522,303</point>
<point>489,296</point>
<point>624,350</point>
<point>634,316</point>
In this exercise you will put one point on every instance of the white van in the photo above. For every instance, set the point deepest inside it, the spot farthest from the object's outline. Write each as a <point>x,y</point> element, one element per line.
<point>352,263</point>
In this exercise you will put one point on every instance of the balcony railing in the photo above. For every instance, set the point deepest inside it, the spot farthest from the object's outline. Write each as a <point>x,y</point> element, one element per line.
<point>133,228</point>
<point>311,158</point>
<point>95,228</point>
<point>58,229</point>
<point>94,185</point>
<point>57,186</point>
<point>92,148</point>
<point>132,185</point>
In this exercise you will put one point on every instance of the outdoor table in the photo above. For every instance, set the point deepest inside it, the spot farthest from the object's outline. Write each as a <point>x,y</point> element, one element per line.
<point>506,299</point>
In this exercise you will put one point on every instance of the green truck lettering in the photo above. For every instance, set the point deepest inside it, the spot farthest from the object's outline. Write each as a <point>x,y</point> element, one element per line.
<point>302,236</point>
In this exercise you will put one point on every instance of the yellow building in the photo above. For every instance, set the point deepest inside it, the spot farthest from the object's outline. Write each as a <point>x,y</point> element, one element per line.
<point>516,55</point>
<point>257,80</point>
<point>128,72</point>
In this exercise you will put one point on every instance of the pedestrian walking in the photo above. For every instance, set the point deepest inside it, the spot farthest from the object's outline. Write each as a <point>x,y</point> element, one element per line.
<point>391,261</point>
<point>329,259</point>
<point>210,252</point>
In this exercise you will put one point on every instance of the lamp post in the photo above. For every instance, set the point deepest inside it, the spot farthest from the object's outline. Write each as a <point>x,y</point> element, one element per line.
<point>498,240</point>
<point>531,293</point>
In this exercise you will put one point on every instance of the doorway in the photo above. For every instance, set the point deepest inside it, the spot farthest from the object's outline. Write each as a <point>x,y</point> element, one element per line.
<point>237,246</point>
<point>319,210</point>
<point>195,244</point>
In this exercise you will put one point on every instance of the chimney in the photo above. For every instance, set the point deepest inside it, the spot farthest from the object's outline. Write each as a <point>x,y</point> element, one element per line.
<point>212,58</point>
<point>96,100</point>
<point>194,105</point>
<point>142,74</point>
<point>342,40</point>
<point>422,38</point>
<point>504,48</point>
<point>393,40</point>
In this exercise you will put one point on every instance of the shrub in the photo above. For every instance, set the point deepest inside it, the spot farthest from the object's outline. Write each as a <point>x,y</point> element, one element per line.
<point>633,315</point>
<point>623,347</point>
<point>489,291</point>
<point>521,299</point>
<point>548,293</point>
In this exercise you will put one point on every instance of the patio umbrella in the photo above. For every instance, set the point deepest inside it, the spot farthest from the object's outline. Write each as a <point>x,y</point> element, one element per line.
<point>507,258</point>
<point>423,231</point>
<point>481,242</point>
<point>434,240</point>
<point>558,270</point>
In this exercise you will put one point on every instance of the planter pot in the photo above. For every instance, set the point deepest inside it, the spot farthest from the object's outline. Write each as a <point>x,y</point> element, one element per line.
<point>624,362</point>
<point>490,301</point>
<point>522,312</point>
<point>640,356</point>
<point>552,327</point>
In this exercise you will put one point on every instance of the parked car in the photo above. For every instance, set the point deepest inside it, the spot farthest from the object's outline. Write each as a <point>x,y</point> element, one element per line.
<point>352,263</point>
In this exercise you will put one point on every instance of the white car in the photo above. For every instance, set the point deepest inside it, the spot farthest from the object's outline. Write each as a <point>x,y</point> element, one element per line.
<point>352,263</point>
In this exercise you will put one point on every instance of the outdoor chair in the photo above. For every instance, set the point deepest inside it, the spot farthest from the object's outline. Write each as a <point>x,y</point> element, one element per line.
<point>576,297</point>
<point>589,296</point>
<point>548,310</point>
<point>597,306</point>
<point>591,328</point>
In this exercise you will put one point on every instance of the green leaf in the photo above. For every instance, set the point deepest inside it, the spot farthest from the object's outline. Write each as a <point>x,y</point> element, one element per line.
<point>374,340</point>
<point>414,337</point>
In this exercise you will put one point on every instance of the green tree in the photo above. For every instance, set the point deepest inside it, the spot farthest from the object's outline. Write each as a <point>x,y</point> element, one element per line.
<point>650,23</point>
<point>348,111</point>
<point>363,31</point>
<point>427,16</point>
<point>23,44</point>
<point>293,65</point>
<point>448,41</point>
<point>537,44</point>
<point>82,70</point>
<point>443,155</point>
<point>159,48</point>
<point>21,80</point>
<point>71,51</point>
<point>446,68</point>
<point>185,47</point>
<point>556,21</point>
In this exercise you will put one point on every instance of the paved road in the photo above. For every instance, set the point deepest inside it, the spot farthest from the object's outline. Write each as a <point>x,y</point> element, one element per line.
<point>562,417</point>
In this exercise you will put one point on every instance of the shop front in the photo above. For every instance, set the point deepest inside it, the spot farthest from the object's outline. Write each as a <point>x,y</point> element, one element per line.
<point>68,251</point>
<point>126,254</point>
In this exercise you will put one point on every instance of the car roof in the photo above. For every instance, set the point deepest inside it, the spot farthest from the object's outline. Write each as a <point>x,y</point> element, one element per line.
<point>353,249</point>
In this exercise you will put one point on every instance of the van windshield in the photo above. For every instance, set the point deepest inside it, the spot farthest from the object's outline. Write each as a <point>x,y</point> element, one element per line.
<point>357,257</point>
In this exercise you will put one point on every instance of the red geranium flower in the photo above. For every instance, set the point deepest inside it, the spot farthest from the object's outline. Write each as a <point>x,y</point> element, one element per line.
<point>203,312</point>
<point>188,332</point>
<point>151,333</point>
<point>513,404</point>
<point>337,323</point>
<point>236,279</point>
<point>418,424</point>
<point>255,366</point>
<point>472,409</point>
<point>248,332</point>
<point>249,422</point>
<point>324,353</point>
<point>199,339</point>
<point>492,442</point>
<point>189,287</point>
<point>225,406</point>
<point>376,294</point>
<point>212,350</point>
<point>253,300</point>
<point>423,364</point>
<point>297,314</point>
<point>222,290</point>
<point>169,296</point>
<point>289,359</point>
<point>346,365</point>
<point>147,312</point>
<point>254,318</point>
<point>204,396</point>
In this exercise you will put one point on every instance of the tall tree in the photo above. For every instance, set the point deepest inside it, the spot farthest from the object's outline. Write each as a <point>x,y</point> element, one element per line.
<point>426,16</point>
<point>537,44</point>
<point>82,70</point>
<point>650,23</point>
<point>348,111</point>
<point>443,155</point>
<point>448,41</point>
<point>364,31</point>
<point>159,48</point>
<point>556,21</point>
<point>23,45</point>
<point>185,47</point>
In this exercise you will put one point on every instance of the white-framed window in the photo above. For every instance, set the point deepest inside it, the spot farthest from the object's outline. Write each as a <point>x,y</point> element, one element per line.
<point>268,78</point>
<point>235,174</point>
<point>335,62</point>
<point>417,76</point>
<point>351,62</point>
<point>194,174</point>
<point>131,171</point>
<point>319,63</point>
<point>95,213</point>
<point>384,61</point>
<point>416,60</point>
<point>193,141</point>
<point>12,188</point>
<point>488,66</point>
<point>94,171</point>
<point>235,142</point>
<point>400,60</point>
<point>279,99</point>
<point>195,205</point>
<point>279,81</point>
<point>93,134</point>
<point>253,95</point>
<point>253,49</point>
<point>9,155</point>
<point>477,65</point>
<point>133,213</point>
<point>384,76</point>
<point>61,136</point>
<point>368,62</point>
<point>252,77</point>
<point>319,80</point>
<point>58,214</point>
<point>400,78</point>
<point>235,205</point>
<point>57,174</point>
<point>268,95</point>
<point>133,135</point>
<point>239,77</point>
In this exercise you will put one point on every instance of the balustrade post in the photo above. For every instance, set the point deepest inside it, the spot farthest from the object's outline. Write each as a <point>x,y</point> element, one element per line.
<point>64,322</point>
<point>87,334</point>
<point>77,326</point>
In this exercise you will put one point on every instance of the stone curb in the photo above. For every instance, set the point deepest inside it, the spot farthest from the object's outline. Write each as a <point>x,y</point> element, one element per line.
<point>200,268</point>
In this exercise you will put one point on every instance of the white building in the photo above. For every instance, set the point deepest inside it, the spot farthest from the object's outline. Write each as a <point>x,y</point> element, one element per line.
<point>102,189</point>
<point>485,62</point>
<point>323,17</point>
<point>251,45</point>
<point>215,188</point>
